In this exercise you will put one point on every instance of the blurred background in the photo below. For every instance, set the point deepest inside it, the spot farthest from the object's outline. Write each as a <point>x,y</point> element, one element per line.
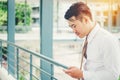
<point>66,45</point>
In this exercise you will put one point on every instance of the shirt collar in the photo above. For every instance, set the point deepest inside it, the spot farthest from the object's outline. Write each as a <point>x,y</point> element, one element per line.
<point>93,32</point>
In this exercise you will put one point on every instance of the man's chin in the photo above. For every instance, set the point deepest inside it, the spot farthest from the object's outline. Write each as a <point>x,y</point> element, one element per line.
<point>80,36</point>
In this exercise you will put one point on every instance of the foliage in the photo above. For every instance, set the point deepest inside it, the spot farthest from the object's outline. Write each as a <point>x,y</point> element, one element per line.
<point>21,77</point>
<point>3,13</point>
<point>22,74</point>
<point>4,50</point>
<point>22,16</point>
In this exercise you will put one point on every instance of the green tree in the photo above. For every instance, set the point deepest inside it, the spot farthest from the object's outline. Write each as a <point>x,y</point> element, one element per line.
<point>3,13</point>
<point>23,13</point>
<point>22,16</point>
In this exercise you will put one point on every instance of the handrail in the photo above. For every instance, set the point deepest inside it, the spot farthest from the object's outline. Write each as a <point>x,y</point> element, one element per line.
<point>29,52</point>
<point>36,54</point>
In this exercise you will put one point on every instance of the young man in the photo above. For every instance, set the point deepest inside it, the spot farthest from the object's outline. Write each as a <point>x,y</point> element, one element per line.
<point>102,50</point>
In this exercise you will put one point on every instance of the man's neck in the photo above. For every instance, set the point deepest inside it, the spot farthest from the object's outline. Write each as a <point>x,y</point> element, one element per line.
<point>93,24</point>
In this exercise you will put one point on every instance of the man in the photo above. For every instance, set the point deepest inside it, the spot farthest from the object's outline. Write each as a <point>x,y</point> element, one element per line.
<point>102,50</point>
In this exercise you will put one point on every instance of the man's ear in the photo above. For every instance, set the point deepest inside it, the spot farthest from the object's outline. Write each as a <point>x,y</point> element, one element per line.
<point>85,19</point>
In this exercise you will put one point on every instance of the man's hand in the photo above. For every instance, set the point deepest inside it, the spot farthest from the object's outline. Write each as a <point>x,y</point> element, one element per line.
<point>74,72</point>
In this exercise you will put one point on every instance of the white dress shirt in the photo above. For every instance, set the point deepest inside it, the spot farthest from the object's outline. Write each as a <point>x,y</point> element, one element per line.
<point>103,53</point>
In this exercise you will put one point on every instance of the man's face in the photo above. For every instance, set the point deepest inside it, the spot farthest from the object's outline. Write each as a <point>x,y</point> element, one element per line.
<point>79,27</point>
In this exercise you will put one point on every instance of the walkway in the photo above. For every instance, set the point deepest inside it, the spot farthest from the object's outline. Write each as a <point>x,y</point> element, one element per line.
<point>4,74</point>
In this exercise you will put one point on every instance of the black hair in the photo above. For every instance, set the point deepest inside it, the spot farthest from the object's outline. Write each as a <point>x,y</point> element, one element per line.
<point>78,10</point>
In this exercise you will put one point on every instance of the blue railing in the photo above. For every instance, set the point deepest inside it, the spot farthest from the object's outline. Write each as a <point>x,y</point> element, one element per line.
<point>25,62</point>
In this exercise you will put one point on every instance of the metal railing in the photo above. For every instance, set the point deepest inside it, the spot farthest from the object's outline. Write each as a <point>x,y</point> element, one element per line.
<point>26,62</point>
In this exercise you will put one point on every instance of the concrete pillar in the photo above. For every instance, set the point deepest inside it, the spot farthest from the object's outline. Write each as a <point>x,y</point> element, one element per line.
<point>11,36</point>
<point>46,35</point>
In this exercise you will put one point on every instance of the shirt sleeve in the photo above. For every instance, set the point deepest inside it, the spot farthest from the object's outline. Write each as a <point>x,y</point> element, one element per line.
<point>112,56</point>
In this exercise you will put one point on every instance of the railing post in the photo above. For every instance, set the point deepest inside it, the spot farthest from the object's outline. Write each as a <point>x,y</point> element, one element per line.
<point>17,64</point>
<point>30,66</point>
<point>1,53</point>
